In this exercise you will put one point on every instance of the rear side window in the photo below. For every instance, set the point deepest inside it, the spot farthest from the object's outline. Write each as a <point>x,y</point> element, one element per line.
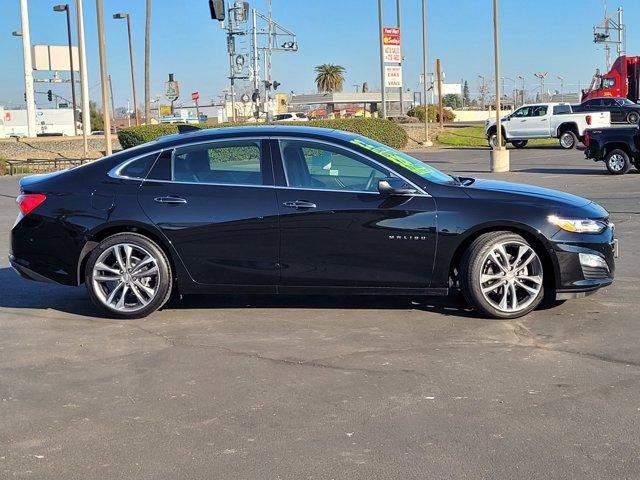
<point>139,168</point>
<point>561,109</point>
<point>539,111</point>
<point>232,163</point>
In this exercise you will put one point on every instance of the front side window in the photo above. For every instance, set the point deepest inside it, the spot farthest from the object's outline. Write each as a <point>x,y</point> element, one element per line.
<point>232,163</point>
<point>609,102</point>
<point>325,167</point>
<point>522,112</point>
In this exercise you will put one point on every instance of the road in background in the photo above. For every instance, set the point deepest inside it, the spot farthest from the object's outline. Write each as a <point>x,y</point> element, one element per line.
<point>303,387</point>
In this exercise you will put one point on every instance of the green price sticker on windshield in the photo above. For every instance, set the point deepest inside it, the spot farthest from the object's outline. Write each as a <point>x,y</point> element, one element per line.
<point>398,158</point>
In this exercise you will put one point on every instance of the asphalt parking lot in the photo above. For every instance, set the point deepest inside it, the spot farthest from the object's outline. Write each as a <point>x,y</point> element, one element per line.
<point>326,388</point>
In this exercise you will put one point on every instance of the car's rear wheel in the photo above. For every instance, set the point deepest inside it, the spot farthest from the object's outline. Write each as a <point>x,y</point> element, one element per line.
<point>568,140</point>
<point>501,275</point>
<point>128,276</point>
<point>617,162</point>
<point>519,143</point>
<point>633,118</point>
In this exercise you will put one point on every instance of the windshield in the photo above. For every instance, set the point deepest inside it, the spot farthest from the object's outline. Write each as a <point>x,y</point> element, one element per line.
<point>625,101</point>
<point>412,164</point>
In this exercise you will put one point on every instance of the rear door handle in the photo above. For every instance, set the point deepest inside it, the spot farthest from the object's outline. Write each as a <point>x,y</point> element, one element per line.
<point>170,199</point>
<point>299,204</point>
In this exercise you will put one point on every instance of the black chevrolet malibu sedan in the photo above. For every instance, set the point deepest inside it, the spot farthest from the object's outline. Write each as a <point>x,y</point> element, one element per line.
<point>302,211</point>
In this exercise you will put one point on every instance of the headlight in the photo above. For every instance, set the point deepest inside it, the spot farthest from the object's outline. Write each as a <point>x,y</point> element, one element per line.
<point>577,225</point>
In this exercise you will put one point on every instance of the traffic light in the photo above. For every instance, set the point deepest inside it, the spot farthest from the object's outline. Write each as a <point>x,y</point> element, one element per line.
<point>267,84</point>
<point>217,9</point>
<point>276,84</point>
<point>25,96</point>
<point>255,96</point>
<point>49,95</point>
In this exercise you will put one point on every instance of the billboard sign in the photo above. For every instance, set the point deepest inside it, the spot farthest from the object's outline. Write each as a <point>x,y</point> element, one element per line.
<point>54,58</point>
<point>195,96</point>
<point>393,76</point>
<point>390,36</point>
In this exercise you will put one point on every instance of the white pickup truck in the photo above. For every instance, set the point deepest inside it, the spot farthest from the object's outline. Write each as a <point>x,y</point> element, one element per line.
<point>546,120</point>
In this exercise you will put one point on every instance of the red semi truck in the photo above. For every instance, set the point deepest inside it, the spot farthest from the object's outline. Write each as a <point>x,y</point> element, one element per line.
<point>623,80</point>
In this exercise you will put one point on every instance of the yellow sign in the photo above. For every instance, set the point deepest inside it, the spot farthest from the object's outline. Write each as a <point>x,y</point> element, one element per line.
<point>165,110</point>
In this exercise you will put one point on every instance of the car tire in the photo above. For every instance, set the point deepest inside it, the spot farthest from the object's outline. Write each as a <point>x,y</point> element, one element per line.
<point>493,140</point>
<point>128,276</point>
<point>633,118</point>
<point>617,162</point>
<point>488,278</point>
<point>568,140</point>
<point>519,143</point>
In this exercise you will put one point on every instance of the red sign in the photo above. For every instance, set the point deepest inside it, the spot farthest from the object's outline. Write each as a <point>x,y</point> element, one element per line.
<point>391,36</point>
<point>195,96</point>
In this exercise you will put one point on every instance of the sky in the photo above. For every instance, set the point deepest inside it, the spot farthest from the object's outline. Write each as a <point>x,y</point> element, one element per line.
<point>536,36</point>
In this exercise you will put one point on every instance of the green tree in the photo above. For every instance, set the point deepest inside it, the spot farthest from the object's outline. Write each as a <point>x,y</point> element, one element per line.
<point>329,77</point>
<point>466,97</point>
<point>95,116</point>
<point>452,100</point>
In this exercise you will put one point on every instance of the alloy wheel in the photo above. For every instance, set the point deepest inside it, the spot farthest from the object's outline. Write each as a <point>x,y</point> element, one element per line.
<point>511,276</point>
<point>125,277</point>
<point>566,140</point>
<point>616,162</point>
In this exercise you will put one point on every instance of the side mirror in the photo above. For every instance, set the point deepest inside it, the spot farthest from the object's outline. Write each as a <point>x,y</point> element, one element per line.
<point>395,186</point>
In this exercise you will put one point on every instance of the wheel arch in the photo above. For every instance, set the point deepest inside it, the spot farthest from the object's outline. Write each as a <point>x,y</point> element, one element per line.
<point>571,126</point>
<point>617,146</point>
<point>492,129</point>
<point>541,245</point>
<point>96,236</point>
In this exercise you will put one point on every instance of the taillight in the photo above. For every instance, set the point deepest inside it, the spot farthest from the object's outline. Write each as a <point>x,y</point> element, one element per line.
<point>29,201</point>
<point>586,139</point>
<point>588,118</point>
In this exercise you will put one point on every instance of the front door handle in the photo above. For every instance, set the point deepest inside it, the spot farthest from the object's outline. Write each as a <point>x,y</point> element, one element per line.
<point>299,204</point>
<point>170,199</point>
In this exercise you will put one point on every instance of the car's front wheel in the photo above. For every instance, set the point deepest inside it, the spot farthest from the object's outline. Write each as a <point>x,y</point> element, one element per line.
<point>128,276</point>
<point>633,118</point>
<point>501,275</point>
<point>493,140</point>
<point>519,143</point>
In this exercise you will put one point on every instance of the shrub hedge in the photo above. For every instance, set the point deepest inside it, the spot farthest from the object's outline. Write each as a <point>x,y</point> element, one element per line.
<point>383,131</point>
<point>434,116</point>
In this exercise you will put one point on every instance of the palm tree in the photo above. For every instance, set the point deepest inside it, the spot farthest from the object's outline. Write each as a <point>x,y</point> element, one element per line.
<point>329,77</point>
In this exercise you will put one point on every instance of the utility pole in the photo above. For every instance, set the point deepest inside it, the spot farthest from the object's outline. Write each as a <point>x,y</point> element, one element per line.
<point>147,63</point>
<point>426,142</point>
<point>84,85</point>
<point>382,83</point>
<point>103,77</point>
<point>499,157</point>
<point>256,79</point>
<point>440,102</point>
<point>400,47</point>
<point>28,70</point>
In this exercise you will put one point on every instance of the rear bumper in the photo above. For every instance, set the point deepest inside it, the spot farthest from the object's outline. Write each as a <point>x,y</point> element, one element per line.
<point>27,273</point>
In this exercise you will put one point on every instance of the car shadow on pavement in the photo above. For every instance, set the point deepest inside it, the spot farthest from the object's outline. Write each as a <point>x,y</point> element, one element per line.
<point>565,171</point>
<point>19,293</point>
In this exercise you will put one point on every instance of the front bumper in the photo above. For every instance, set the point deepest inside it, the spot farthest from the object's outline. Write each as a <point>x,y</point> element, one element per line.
<point>586,262</point>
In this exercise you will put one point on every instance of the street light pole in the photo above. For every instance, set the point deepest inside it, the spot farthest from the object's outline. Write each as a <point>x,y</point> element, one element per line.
<point>84,85</point>
<point>147,62</point>
<point>425,64</point>
<point>28,70</point>
<point>499,157</point>
<point>382,86</point>
<point>522,78</point>
<point>561,88</point>
<point>127,17</point>
<point>65,8</point>
<point>104,86</point>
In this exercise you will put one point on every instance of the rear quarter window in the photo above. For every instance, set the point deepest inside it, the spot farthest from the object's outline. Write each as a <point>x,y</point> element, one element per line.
<point>139,168</point>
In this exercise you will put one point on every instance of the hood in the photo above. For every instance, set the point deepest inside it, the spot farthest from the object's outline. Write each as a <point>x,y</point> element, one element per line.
<point>497,190</point>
